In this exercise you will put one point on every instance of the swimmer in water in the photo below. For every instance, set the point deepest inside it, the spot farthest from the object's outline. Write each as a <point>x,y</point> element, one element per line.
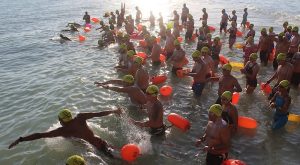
<point>75,160</point>
<point>64,38</point>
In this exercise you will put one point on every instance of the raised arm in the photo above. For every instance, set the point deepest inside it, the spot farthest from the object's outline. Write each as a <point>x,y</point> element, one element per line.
<point>99,114</point>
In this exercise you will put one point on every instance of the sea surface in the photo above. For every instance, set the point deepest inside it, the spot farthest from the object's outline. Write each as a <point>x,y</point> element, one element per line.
<point>39,75</point>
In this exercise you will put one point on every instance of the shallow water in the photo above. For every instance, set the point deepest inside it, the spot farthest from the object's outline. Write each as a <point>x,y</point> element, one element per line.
<point>40,76</point>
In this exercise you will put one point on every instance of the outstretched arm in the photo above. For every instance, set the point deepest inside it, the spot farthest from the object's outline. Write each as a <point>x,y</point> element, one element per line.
<point>99,114</point>
<point>118,82</point>
<point>117,89</point>
<point>53,133</point>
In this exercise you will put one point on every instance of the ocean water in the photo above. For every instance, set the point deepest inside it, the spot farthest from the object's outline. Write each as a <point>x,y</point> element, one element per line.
<point>40,75</point>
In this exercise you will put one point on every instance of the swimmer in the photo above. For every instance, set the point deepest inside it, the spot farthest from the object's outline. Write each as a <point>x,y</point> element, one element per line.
<point>281,102</point>
<point>138,15</point>
<point>264,47</point>
<point>245,15</point>
<point>282,46</point>
<point>215,52</point>
<point>205,53</point>
<point>232,34</point>
<point>224,20</point>
<point>178,57</point>
<point>189,27</point>
<point>251,70</point>
<point>77,25</point>
<point>75,160</point>
<point>205,15</point>
<point>234,17</point>
<point>251,31</point>
<point>155,53</point>
<point>249,48</point>
<point>152,19</point>
<point>296,73</point>
<point>184,14</point>
<point>142,77</point>
<point>155,113</point>
<point>72,29</point>
<point>87,18</point>
<point>295,42</point>
<point>74,127</point>
<point>229,112</point>
<point>169,46</point>
<point>64,38</point>
<point>216,137</point>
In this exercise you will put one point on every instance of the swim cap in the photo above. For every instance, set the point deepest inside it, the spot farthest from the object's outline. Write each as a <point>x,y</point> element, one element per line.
<point>120,34</point>
<point>75,160</point>
<point>289,27</point>
<point>126,36</point>
<point>176,42</point>
<point>271,29</point>
<point>190,16</point>
<point>123,46</point>
<point>128,78</point>
<point>281,57</point>
<point>152,90</point>
<point>295,29</point>
<point>252,25</point>
<point>216,109</point>
<point>227,67</point>
<point>130,53</point>
<point>250,39</point>
<point>217,39</point>
<point>281,34</point>
<point>227,95</point>
<point>138,60</point>
<point>65,115</point>
<point>263,30</point>
<point>205,49</point>
<point>285,23</point>
<point>208,35</point>
<point>253,56</point>
<point>285,84</point>
<point>196,54</point>
<point>233,11</point>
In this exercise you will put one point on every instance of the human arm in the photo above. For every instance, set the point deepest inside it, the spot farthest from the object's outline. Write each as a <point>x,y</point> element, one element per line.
<point>118,82</point>
<point>237,86</point>
<point>272,78</point>
<point>90,115</point>
<point>117,89</point>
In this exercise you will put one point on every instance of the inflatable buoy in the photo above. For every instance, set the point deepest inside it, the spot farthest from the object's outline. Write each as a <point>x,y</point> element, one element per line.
<point>88,25</point>
<point>81,38</point>
<point>182,72</point>
<point>194,36</point>
<point>179,121</point>
<point>95,20</point>
<point>87,29</point>
<point>142,54</point>
<point>237,65</point>
<point>130,152</point>
<point>247,24</point>
<point>294,118</point>
<point>239,45</point>
<point>223,59</point>
<point>211,28</point>
<point>247,122</point>
<point>143,43</point>
<point>158,79</point>
<point>272,55</point>
<point>162,58</point>
<point>140,27</point>
<point>180,39</point>
<point>166,90</point>
<point>158,39</point>
<point>235,98</point>
<point>233,162</point>
<point>265,88</point>
<point>239,33</point>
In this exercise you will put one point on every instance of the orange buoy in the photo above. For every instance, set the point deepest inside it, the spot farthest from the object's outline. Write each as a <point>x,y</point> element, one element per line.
<point>143,43</point>
<point>81,38</point>
<point>130,152</point>
<point>247,122</point>
<point>179,121</point>
<point>211,28</point>
<point>180,39</point>
<point>233,162</point>
<point>95,20</point>
<point>223,59</point>
<point>265,88</point>
<point>182,72</point>
<point>194,36</point>
<point>87,29</point>
<point>142,54</point>
<point>158,79</point>
<point>239,33</point>
<point>158,39</point>
<point>162,58</point>
<point>235,98</point>
<point>247,24</point>
<point>166,90</point>
<point>272,55</point>
<point>294,118</point>
<point>140,27</point>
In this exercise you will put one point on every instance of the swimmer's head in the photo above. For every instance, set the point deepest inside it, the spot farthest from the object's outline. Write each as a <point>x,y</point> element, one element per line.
<point>281,34</point>
<point>251,25</point>
<point>264,31</point>
<point>227,95</point>
<point>75,160</point>
<point>250,39</point>
<point>245,9</point>
<point>217,39</point>
<point>196,54</point>
<point>208,35</point>
<point>138,60</point>
<point>281,57</point>
<point>233,11</point>
<point>128,79</point>
<point>223,10</point>
<point>190,16</point>
<point>216,109</point>
<point>271,30</point>
<point>285,24</point>
<point>289,28</point>
<point>295,29</point>
<point>152,90</point>
<point>65,115</point>
<point>284,84</point>
<point>227,67</point>
<point>204,50</point>
<point>253,56</point>
<point>130,53</point>
<point>204,9</point>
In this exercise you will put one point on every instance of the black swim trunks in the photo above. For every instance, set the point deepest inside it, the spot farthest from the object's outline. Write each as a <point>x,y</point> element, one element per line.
<point>212,159</point>
<point>158,131</point>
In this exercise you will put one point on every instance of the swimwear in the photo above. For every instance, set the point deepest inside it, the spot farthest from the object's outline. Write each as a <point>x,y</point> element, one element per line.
<point>227,117</point>
<point>158,131</point>
<point>250,82</point>
<point>264,56</point>
<point>279,119</point>
<point>198,88</point>
<point>223,26</point>
<point>212,159</point>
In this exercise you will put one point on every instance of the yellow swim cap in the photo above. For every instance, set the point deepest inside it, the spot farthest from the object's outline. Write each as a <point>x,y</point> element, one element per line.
<point>281,34</point>
<point>65,115</point>
<point>152,90</point>
<point>205,49</point>
<point>227,67</point>
<point>227,95</point>
<point>271,29</point>
<point>75,160</point>
<point>138,60</point>
<point>295,29</point>
<point>128,78</point>
<point>176,42</point>
<point>196,54</point>
<point>208,35</point>
<point>285,23</point>
<point>263,30</point>
<point>281,57</point>
<point>253,56</point>
<point>190,16</point>
<point>252,25</point>
<point>217,39</point>
<point>123,46</point>
<point>130,53</point>
<point>289,27</point>
<point>216,109</point>
<point>285,84</point>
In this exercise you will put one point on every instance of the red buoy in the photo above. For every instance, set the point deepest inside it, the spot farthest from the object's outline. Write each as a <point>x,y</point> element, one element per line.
<point>247,122</point>
<point>158,79</point>
<point>166,90</point>
<point>130,152</point>
<point>179,121</point>
<point>235,98</point>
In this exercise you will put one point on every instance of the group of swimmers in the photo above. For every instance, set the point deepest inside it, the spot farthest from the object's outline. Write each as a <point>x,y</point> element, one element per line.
<point>223,115</point>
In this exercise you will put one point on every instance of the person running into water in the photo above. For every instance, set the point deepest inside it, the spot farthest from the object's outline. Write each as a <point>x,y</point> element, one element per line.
<point>251,31</point>
<point>264,47</point>
<point>87,18</point>
<point>249,48</point>
<point>138,15</point>
<point>229,113</point>
<point>251,70</point>
<point>169,47</point>
<point>178,57</point>
<point>215,52</point>
<point>224,20</point>
<point>155,113</point>
<point>281,101</point>
<point>152,19</point>
<point>296,73</point>
<point>204,16</point>
<point>76,127</point>
<point>245,15</point>
<point>282,46</point>
<point>128,86</point>
<point>184,14</point>
<point>155,52</point>
<point>232,34</point>
<point>216,137</point>
<point>234,17</point>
